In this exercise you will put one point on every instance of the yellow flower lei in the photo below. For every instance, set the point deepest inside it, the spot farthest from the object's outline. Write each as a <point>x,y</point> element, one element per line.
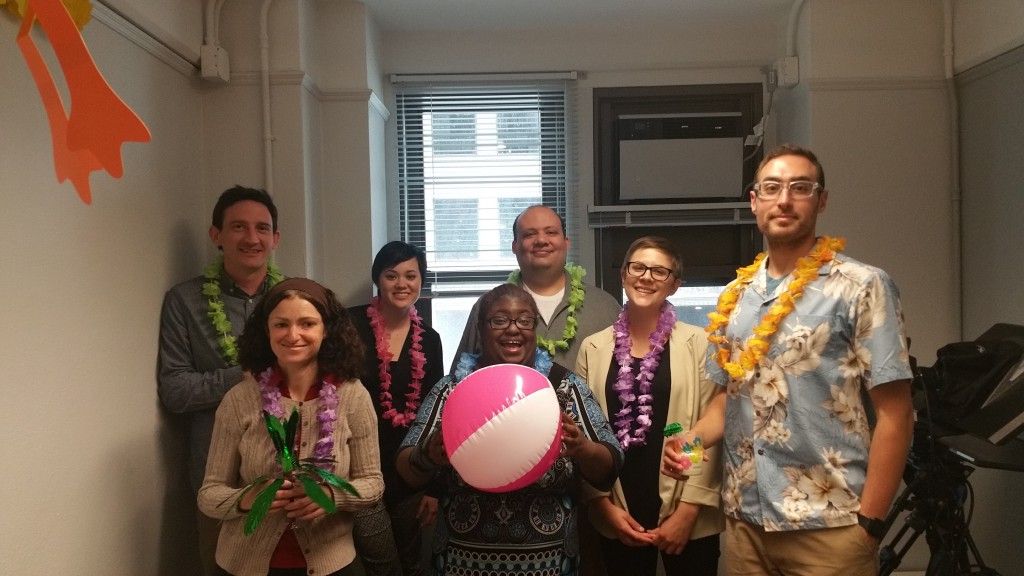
<point>806,271</point>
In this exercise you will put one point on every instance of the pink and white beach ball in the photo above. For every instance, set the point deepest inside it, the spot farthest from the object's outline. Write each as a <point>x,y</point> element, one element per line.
<point>502,427</point>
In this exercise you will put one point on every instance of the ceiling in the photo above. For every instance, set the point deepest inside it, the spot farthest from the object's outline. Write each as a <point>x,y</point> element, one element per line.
<point>477,15</point>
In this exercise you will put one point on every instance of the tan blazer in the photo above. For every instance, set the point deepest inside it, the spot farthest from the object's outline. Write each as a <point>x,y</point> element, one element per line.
<point>689,398</point>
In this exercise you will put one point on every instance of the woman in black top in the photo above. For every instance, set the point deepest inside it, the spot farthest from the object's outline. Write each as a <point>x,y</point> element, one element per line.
<point>403,361</point>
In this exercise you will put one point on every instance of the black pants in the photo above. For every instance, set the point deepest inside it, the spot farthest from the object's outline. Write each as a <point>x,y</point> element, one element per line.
<point>699,558</point>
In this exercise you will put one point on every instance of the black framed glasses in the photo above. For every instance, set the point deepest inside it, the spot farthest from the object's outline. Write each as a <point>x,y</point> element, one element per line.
<point>638,269</point>
<point>770,189</point>
<point>503,322</point>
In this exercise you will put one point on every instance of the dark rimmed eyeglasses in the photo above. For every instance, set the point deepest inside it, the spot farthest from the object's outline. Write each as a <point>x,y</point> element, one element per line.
<point>638,269</point>
<point>770,189</point>
<point>503,322</point>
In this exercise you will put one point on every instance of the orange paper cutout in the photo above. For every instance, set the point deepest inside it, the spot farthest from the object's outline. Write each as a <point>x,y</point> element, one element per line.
<point>100,121</point>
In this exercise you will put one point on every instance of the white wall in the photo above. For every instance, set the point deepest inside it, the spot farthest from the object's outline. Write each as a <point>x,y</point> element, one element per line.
<point>879,118</point>
<point>985,29</point>
<point>178,24</point>
<point>96,476</point>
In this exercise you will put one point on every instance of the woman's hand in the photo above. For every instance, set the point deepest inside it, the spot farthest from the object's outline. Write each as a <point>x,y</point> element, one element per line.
<point>417,464</point>
<point>574,443</point>
<point>673,534</point>
<point>298,505</point>
<point>672,456</point>
<point>594,459</point>
<point>626,528</point>
<point>436,451</point>
<point>279,501</point>
<point>427,511</point>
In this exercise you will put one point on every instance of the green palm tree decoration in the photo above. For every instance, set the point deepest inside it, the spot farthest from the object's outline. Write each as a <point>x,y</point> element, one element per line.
<point>307,471</point>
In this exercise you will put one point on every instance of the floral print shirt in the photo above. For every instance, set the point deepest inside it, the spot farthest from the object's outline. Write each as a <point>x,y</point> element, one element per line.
<point>798,426</point>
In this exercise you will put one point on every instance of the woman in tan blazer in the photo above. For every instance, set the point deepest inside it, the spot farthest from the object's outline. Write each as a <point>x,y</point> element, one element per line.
<point>646,371</point>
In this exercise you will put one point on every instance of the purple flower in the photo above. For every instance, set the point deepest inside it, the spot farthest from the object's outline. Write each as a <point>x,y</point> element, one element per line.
<point>626,385</point>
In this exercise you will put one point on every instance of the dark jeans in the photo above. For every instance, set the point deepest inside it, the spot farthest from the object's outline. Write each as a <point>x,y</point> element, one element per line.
<point>699,558</point>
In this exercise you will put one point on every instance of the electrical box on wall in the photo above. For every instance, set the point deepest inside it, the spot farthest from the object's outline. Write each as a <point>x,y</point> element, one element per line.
<point>787,71</point>
<point>213,63</point>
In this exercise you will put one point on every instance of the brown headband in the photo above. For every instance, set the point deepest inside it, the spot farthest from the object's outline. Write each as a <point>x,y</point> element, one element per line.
<point>317,292</point>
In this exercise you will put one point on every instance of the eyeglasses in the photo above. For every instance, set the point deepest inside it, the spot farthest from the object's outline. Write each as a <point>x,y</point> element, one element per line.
<point>638,269</point>
<point>770,189</point>
<point>503,322</point>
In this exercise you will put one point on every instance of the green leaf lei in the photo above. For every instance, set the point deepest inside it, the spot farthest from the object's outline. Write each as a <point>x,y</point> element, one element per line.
<point>576,296</point>
<point>219,318</point>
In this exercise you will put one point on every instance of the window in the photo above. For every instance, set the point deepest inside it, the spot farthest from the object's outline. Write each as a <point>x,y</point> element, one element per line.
<point>453,133</point>
<point>470,159</point>
<point>457,243</point>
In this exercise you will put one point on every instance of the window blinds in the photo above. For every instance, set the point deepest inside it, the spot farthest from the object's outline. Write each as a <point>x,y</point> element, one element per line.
<point>471,157</point>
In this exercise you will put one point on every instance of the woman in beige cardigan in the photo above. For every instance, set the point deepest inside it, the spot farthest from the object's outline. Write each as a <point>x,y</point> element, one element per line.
<point>646,371</point>
<point>302,352</point>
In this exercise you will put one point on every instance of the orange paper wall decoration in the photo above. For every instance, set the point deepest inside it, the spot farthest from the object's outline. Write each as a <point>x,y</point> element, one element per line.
<point>91,137</point>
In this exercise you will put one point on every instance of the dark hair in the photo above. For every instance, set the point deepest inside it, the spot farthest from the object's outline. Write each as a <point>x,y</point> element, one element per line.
<point>513,291</point>
<point>341,353</point>
<point>793,150</point>
<point>237,194</point>
<point>515,223</point>
<point>396,252</point>
<point>662,245</point>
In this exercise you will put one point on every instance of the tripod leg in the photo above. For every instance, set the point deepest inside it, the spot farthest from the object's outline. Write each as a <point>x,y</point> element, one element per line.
<point>983,570</point>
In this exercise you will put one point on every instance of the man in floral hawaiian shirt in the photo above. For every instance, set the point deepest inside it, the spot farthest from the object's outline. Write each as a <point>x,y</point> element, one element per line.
<point>816,414</point>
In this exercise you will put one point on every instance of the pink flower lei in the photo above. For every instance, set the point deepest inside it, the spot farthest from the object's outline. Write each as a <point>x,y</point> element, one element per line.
<point>624,418</point>
<point>327,414</point>
<point>416,359</point>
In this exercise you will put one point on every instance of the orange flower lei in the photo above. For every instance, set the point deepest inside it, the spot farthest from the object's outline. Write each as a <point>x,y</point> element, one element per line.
<point>806,271</point>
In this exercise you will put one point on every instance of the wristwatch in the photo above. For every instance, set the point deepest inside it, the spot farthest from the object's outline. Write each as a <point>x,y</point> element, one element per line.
<point>873,526</point>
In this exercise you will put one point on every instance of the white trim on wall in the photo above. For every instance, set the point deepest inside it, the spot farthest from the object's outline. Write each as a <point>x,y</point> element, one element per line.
<point>887,83</point>
<point>143,39</point>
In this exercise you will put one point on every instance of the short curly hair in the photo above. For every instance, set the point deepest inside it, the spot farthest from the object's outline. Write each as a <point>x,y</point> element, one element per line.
<point>341,353</point>
<point>512,291</point>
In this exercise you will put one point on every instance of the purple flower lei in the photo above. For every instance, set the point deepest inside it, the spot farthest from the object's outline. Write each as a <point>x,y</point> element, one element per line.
<point>624,383</point>
<point>327,413</point>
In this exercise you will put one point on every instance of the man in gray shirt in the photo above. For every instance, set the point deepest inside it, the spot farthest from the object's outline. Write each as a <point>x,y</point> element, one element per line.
<point>202,317</point>
<point>570,310</point>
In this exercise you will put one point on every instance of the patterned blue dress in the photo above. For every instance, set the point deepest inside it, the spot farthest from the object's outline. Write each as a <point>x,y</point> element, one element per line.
<point>532,531</point>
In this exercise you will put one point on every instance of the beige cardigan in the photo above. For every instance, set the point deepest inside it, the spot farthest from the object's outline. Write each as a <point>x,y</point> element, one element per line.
<point>241,451</point>
<point>691,393</point>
